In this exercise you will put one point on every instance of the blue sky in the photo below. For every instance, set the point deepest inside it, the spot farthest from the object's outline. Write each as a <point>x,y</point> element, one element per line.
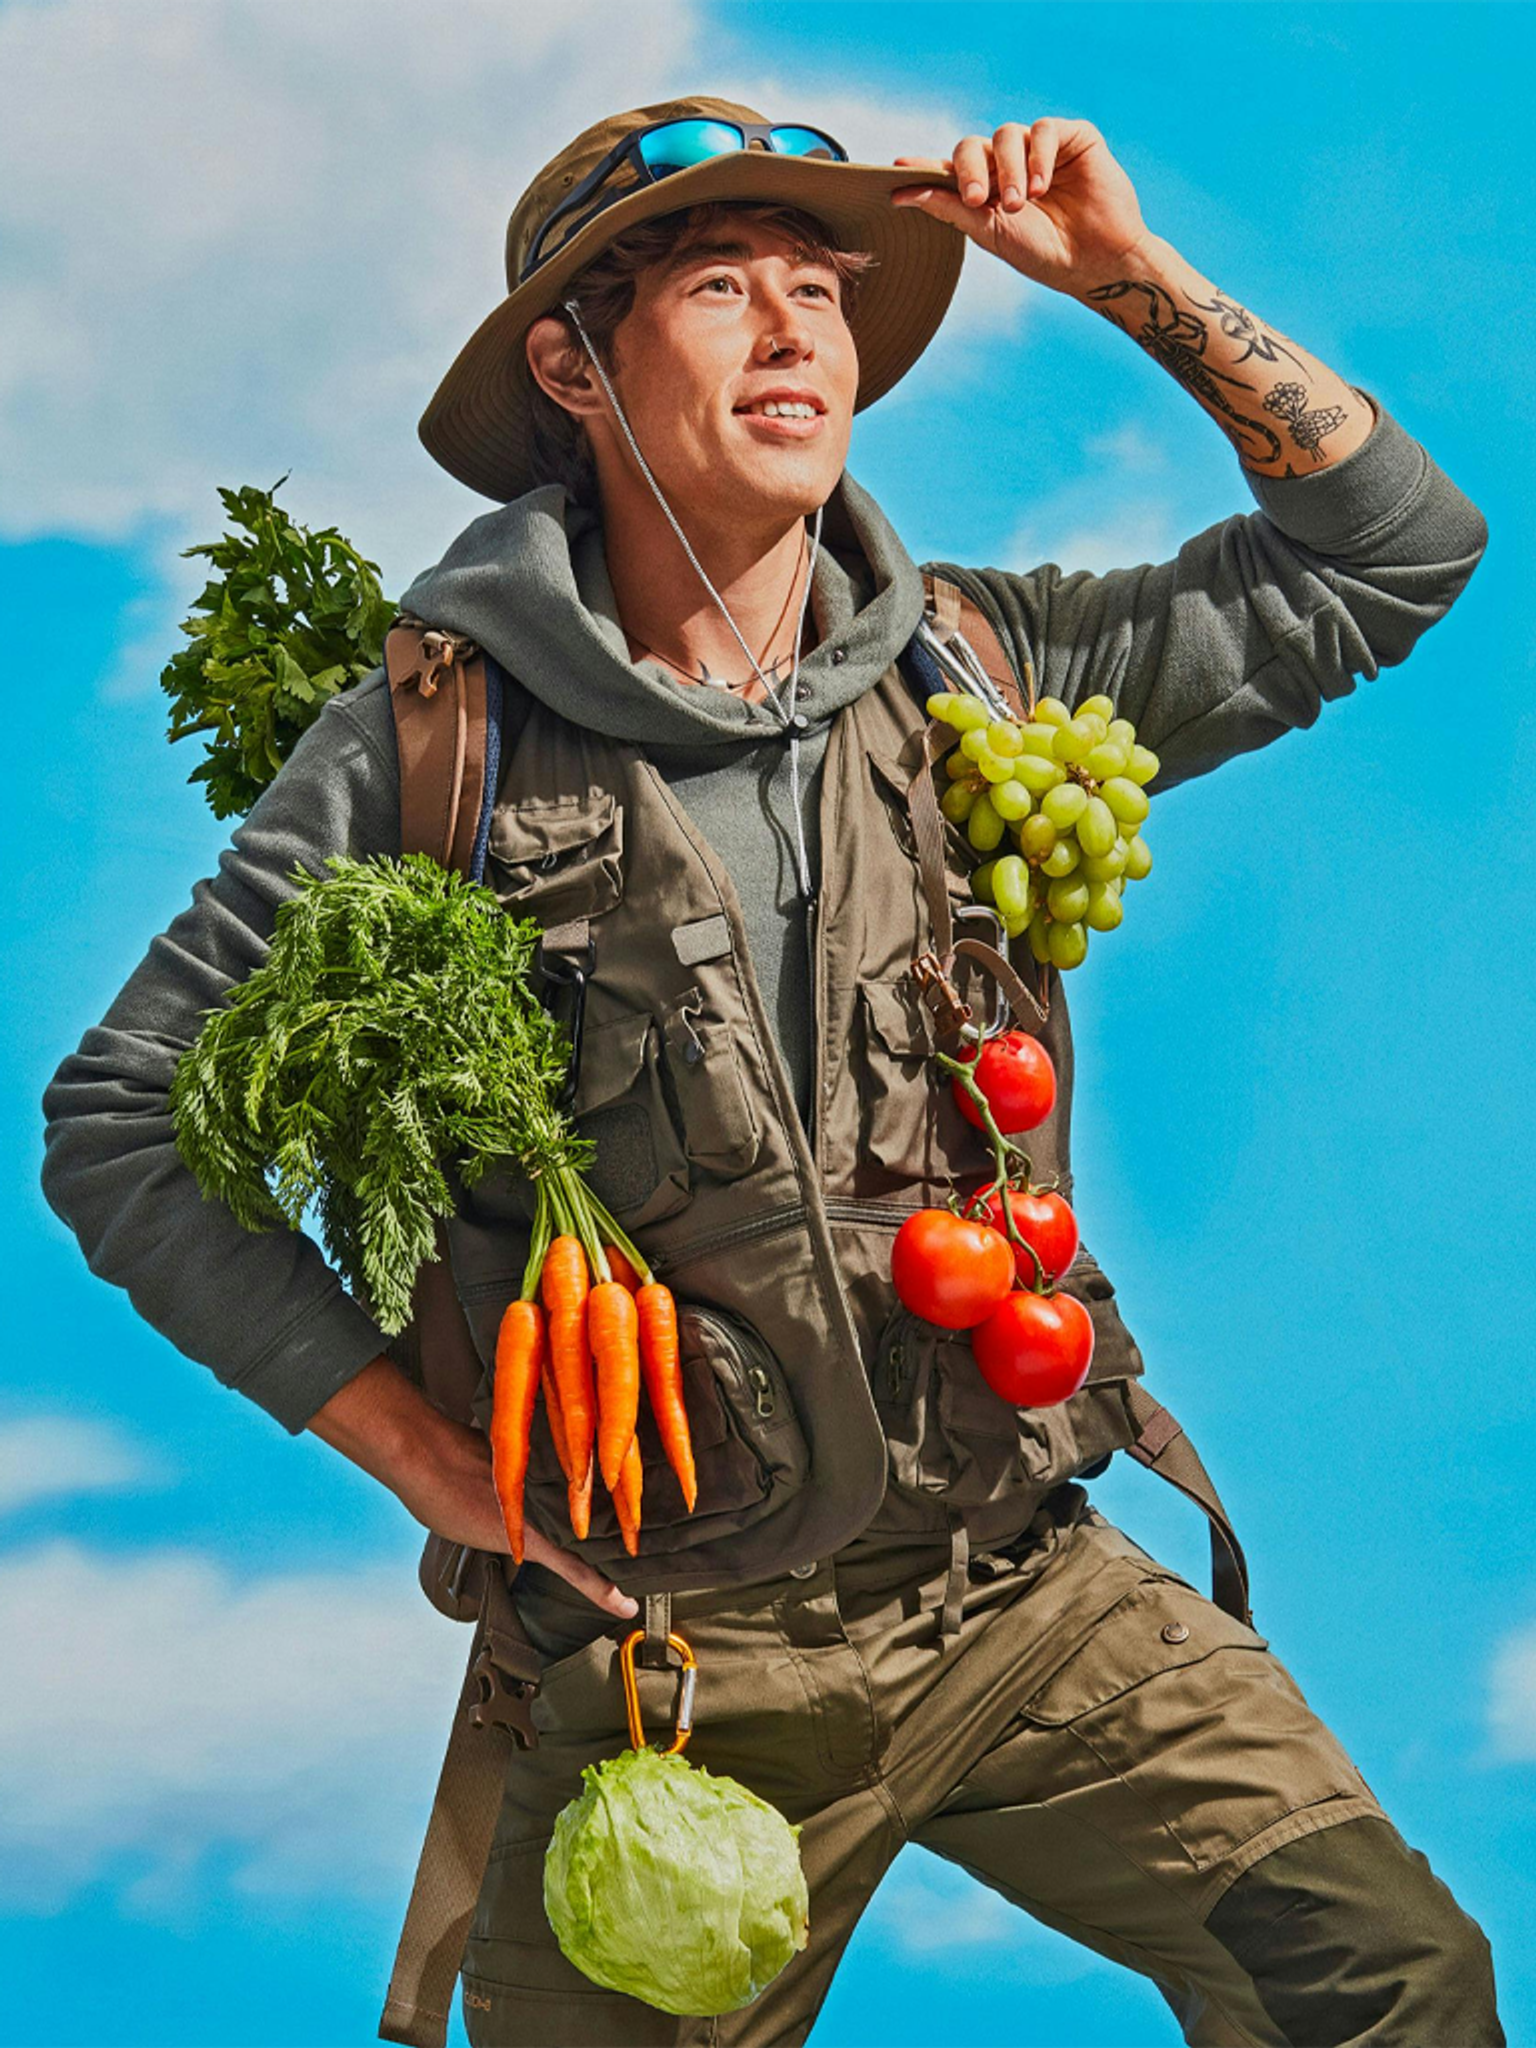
<point>236,241</point>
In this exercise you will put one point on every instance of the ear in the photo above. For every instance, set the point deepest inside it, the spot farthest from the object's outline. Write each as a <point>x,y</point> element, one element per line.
<point>559,365</point>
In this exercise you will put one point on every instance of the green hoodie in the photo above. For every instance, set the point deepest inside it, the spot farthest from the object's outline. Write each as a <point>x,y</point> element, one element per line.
<point>1241,636</point>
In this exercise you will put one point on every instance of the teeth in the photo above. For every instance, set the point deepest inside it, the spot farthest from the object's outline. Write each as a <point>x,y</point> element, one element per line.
<point>783,410</point>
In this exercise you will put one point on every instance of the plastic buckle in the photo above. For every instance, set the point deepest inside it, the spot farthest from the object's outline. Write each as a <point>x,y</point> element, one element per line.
<point>504,1702</point>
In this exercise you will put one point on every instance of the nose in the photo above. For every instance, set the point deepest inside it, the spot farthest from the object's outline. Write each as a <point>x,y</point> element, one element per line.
<point>783,333</point>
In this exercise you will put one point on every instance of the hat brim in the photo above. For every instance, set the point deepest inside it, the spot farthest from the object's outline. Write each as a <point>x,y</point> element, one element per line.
<point>477,423</point>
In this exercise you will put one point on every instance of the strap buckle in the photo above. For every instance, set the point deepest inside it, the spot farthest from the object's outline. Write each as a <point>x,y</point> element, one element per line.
<point>952,1014</point>
<point>505,1701</point>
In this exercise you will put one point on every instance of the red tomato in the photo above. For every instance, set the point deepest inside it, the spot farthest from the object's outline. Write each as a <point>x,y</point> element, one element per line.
<point>948,1269</point>
<point>1044,1221</point>
<point>1034,1349</point>
<point>1015,1074</point>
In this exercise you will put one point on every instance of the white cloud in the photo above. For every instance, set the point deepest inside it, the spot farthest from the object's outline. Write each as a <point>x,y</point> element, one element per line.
<point>242,239</point>
<point>1512,1698</point>
<point>45,1456</point>
<point>1105,517</point>
<point>165,1722</point>
<point>938,1912</point>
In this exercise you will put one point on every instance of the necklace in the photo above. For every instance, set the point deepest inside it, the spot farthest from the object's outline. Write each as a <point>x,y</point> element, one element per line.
<point>772,675</point>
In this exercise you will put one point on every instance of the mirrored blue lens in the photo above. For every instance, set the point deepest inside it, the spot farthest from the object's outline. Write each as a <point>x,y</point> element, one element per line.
<point>806,142</point>
<point>682,143</point>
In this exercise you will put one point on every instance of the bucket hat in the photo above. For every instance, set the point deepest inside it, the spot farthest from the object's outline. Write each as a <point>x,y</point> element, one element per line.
<point>477,424</point>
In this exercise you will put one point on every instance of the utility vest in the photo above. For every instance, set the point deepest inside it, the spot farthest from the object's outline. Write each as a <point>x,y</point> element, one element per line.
<point>820,1409</point>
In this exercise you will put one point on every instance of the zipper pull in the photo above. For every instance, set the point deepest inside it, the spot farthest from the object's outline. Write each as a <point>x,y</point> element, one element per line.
<point>757,1377</point>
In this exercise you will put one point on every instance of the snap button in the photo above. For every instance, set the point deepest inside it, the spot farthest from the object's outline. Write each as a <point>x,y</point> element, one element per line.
<point>839,656</point>
<point>803,1571</point>
<point>1175,1632</point>
<point>800,722</point>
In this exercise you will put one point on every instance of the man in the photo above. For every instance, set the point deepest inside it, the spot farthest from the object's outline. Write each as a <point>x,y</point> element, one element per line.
<point>699,303</point>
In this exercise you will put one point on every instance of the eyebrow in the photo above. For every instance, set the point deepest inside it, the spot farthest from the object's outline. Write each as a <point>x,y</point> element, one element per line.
<point>738,252</point>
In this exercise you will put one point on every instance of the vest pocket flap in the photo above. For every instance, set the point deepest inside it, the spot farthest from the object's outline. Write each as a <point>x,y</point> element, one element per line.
<point>612,1054</point>
<point>896,1017</point>
<point>1161,1625</point>
<point>561,859</point>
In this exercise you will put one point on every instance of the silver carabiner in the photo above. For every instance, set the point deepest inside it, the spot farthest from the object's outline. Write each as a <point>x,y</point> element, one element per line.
<point>1002,1017</point>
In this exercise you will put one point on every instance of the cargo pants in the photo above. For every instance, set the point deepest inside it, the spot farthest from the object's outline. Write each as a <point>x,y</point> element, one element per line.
<point>1099,1743</point>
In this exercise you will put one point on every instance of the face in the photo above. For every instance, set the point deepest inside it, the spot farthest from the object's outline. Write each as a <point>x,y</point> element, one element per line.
<point>737,323</point>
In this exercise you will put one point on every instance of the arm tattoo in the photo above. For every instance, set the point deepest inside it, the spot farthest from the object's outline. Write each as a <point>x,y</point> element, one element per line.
<point>1179,339</point>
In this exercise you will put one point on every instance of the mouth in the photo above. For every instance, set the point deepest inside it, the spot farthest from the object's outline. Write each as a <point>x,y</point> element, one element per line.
<point>787,415</point>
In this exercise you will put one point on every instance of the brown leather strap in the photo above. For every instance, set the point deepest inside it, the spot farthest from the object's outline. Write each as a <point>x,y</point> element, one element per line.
<point>655,1652</point>
<point>1164,1449</point>
<point>437,689</point>
<point>493,1700</point>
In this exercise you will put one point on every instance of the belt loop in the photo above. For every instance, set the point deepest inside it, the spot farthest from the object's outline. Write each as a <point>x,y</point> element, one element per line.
<point>654,1652</point>
<point>954,1586</point>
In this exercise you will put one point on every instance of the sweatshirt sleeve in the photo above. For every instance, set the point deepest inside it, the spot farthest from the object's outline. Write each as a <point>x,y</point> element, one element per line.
<point>1258,620</point>
<point>263,1310</point>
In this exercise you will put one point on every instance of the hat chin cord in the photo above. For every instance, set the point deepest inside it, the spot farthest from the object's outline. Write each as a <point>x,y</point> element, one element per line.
<point>807,887</point>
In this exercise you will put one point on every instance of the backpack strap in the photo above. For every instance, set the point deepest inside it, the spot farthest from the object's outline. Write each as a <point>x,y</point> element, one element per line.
<point>499,1683</point>
<point>1163,1448</point>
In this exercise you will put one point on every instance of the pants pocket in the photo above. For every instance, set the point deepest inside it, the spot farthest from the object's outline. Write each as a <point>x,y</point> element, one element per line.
<point>1191,1711</point>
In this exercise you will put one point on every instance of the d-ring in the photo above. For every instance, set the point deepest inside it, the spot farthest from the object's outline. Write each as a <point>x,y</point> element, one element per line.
<point>632,1691</point>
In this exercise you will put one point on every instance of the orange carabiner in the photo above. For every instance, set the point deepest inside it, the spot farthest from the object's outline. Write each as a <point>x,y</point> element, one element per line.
<point>632,1691</point>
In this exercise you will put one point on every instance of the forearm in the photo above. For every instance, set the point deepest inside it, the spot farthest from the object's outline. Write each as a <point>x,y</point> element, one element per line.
<point>1286,413</point>
<point>382,1421</point>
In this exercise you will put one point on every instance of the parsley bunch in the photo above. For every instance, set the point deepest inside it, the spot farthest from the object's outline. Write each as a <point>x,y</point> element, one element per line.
<point>391,1031</point>
<point>293,617</point>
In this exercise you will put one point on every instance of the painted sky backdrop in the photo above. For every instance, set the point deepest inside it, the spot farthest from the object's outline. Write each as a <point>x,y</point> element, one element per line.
<point>240,240</point>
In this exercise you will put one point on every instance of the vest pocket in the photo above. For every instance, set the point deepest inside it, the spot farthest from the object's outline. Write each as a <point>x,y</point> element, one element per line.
<point>560,859</point>
<point>640,1171</point>
<point>894,1089</point>
<point>721,1132</point>
<point>948,1433</point>
<point>748,1448</point>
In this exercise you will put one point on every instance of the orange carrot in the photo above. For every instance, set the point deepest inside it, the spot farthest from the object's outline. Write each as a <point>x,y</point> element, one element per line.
<point>520,1348</point>
<point>659,1360</point>
<point>579,1495</point>
<point>620,1269</point>
<point>613,1332</point>
<point>626,1499</point>
<point>552,1411</point>
<point>565,1284</point>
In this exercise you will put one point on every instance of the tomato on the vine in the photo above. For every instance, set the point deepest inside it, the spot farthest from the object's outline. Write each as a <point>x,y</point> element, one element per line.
<point>1015,1074</point>
<point>949,1269</point>
<point>1034,1349</point>
<point>1044,1221</point>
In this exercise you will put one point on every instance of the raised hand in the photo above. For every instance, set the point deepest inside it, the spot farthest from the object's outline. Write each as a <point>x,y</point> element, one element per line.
<point>1046,196</point>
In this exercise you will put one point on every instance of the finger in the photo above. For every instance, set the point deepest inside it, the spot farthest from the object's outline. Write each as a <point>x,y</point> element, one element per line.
<point>1044,142</point>
<point>922,163</point>
<point>948,207</point>
<point>1008,152</point>
<point>973,168</point>
<point>577,1572</point>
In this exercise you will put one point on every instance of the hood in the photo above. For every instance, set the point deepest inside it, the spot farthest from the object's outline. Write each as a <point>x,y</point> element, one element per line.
<point>530,583</point>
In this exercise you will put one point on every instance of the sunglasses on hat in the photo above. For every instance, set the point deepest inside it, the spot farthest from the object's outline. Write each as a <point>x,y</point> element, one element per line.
<point>655,152</point>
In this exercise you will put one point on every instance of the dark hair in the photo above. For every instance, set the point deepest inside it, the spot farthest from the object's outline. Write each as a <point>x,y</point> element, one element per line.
<point>605,293</point>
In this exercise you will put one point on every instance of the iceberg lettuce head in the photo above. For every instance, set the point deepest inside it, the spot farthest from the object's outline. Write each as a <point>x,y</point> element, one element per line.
<point>675,1885</point>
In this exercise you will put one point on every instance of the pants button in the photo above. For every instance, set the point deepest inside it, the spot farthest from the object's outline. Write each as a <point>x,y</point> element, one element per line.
<point>803,1571</point>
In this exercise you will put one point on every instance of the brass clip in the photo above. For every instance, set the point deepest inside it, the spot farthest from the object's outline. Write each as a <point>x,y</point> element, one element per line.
<point>952,1013</point>
<point>632,1691</point>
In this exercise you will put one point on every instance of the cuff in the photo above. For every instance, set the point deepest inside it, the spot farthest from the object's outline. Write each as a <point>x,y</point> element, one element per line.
<point>298,1373</point>
<point>1351,497</point>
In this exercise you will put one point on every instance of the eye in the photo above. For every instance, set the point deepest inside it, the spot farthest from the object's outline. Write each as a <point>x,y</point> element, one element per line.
<point>722,278</point>
<point>814,287</point>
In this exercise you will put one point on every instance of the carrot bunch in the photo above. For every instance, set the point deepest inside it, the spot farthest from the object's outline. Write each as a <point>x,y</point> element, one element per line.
<point>590,1324</point>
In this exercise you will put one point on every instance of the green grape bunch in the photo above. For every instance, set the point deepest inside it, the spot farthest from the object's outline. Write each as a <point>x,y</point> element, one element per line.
<point>1068,789</point>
